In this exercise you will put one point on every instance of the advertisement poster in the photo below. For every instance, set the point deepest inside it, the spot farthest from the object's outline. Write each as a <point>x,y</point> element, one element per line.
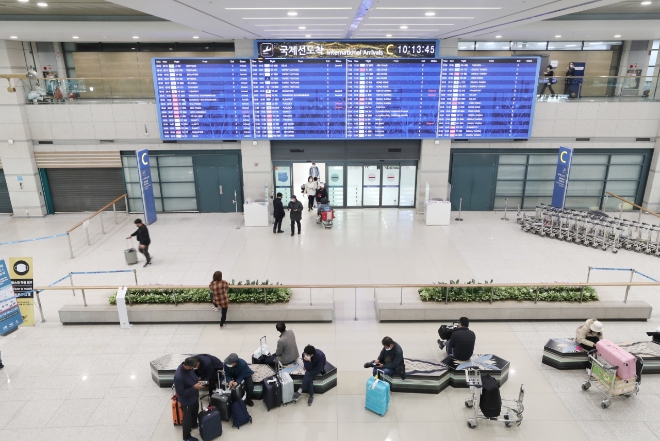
<point>146,185</point>
<point>10,315</point>
<point>561,178</point>
<point>22,280</point>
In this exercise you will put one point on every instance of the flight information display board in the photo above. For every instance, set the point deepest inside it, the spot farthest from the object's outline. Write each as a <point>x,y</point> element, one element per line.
<point>459,98</point>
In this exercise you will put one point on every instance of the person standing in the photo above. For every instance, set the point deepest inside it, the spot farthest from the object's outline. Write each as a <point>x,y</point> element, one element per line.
<point>143,238</point>
<point>219,297</point>
<point>549,73</point>
<point>310,191</point>
<point>296,208</point>
<point>568,81</point>
<point>187,386</point>
<point>314,361</point>
<point>207,369</point>
<point>278,214</point>
<point>314,171</point>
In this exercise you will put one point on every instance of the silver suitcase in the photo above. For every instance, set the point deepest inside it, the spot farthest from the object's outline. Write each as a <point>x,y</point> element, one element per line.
<point>131,254</point>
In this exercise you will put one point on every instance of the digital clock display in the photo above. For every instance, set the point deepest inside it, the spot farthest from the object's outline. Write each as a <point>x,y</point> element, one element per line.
<point>416,49</point>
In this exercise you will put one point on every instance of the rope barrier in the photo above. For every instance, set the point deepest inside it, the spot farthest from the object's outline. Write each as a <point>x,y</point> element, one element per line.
<point>33,240</point>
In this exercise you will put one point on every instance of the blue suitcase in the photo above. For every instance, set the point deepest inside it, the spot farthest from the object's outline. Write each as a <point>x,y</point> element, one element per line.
<point>210,424</point>
<point>378,396</point>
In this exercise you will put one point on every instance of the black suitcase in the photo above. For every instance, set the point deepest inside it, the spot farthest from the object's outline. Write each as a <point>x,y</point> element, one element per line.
<point>272,392</point>
<point>445,331</point>
<point>210,424</point>
<point>491,401</point>
<point>222,402</point>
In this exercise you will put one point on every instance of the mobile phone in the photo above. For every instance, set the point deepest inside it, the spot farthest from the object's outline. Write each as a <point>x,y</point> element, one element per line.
<point>204,383</point>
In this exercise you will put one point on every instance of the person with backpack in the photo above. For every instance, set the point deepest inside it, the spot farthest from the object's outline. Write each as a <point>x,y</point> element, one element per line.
<point>461,344</point>
<point>237,371</point>
<point>186,387</point>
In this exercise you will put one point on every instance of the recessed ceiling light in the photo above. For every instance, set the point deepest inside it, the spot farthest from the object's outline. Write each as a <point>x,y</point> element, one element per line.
<point>195,37</point>
<point>307,36</point>
<point>23,1</point>
<point>617,36</point>
<point>430,14</point>
<point>557,36</point>
<point>75,37</point>
<point>136,37</point>
<point>403,27</point>
<point>646,3</point>
<point>292,14</point>
<point>388,35</point>
<point>13,37</point>
<point>302,27</point>
<point>498,36</point>
<point>43,5</point>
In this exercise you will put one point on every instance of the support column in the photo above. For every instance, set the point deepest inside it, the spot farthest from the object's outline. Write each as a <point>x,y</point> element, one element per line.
<point>244,48</point>
<point>449,47</point>
<point>652,193</point>
<point>257,168</point>
<point>16,150</point>
<point>434,169</point>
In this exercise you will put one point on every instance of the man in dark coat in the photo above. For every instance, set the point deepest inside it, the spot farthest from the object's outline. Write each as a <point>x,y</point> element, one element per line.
<point>461,344</point>
<point>296,209</point>
<point>207,369</point>
<point>278,214</point>
<point>187,386</point>
<point>143,238</point>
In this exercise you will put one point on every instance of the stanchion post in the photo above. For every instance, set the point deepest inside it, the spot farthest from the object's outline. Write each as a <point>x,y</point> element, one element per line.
<point>72,289</point>
<point>620,210</point>
<point>84,298</point>
<point>632,273</point>
<point>41,311</point>
<point>506,203</point>
<point>536,299</point>
<point>126,203</point>
<point>491,294</point>
<point>460,207</point>
<point>355,305</point>
<point>265,297</point>
<point>102,226</point>
<point>114,210</point>
<point>128,296</point>
<point>68,237</point>
<point>174,294</point>
<point>401,302</point>
<point>447,296</point>
<point>135,274</point>
<point>310,296</point>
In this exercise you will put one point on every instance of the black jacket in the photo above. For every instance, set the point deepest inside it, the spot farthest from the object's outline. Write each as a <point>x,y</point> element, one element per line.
<point>278,209</point>
<point>321,193</point>
<point>296,215</point>
<point>142,235</point>
<point>462,342</point>
<point>184,386</point>
<point>393,358</point>
<point>208,367</point>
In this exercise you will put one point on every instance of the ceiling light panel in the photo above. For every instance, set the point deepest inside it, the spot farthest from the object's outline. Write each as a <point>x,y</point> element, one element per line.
<point>288,9</point>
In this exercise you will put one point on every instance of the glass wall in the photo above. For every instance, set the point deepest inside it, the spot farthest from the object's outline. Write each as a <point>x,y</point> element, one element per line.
<point>173,182</point>
<point>528,179</point>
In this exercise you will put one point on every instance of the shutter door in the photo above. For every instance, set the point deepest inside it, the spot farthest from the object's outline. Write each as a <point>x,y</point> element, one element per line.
<point>5,203</point>
<point>75,190</point>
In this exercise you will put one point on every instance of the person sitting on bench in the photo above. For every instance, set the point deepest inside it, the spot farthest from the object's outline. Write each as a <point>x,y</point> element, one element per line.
<point>461,344</point>
<point>390,360</point>
<point>589,334</point>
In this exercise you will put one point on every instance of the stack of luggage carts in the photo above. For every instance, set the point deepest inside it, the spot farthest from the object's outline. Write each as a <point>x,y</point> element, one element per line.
<point>592,228</point>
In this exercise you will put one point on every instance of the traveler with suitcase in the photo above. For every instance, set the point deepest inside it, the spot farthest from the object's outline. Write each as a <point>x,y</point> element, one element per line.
<point>588,334</point>
<point>207,370</point>
<point>314,361</point>
<point>142,234</point>
<point>187,386</point>
<point>210,423</point>
<point>287,348</point>
<point>377,397</point>
<point>461,344</point>
<point>237,371</point>
<point>219,296</point>
<point>390,361</point>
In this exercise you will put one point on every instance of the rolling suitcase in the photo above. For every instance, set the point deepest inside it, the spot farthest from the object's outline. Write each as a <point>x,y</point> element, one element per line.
<point>617,356</point>
<point>130,254</point>
<point>221,400</point>
<point>210,424</point>
<point>378,395</point>
<point>272,392</point>
<point>490,402</point>
<point>177,411</point>
<point>287,388</point>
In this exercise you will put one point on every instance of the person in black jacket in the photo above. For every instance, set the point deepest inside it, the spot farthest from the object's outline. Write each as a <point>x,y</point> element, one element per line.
<point>187,386</point>
<point>390,360</point>
<point>461,344</point>
<point>549,73</point>
<point>142,234</point>
<point>207,370</point>
<point>321,193</point>
<point>296,209</point>
<point>278,214</point>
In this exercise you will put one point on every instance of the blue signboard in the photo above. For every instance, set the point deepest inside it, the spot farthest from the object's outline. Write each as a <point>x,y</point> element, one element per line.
<point>561,177</point>
<point>146,185</point>
<point>10,314</point>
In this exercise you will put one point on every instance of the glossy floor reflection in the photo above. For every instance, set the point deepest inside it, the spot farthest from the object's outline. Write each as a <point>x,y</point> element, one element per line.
<point>93,382</point>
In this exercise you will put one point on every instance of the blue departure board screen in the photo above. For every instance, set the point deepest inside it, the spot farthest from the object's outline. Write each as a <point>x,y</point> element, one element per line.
<point>462,98</point>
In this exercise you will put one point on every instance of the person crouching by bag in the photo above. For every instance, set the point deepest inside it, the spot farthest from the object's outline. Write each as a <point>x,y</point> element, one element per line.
<point>588,334</point>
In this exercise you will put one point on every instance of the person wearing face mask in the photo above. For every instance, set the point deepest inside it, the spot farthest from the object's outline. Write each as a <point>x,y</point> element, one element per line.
<point>568,82</point>
<point>390,360</point>
<point>314,361</point>
<point>187,386</point>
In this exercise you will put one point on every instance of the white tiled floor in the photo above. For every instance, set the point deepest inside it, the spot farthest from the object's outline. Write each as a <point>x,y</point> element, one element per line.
<point>93,382</point>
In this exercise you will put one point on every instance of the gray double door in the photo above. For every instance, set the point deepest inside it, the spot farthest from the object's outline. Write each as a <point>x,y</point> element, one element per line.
<point>473,181</point>
<point>218,180</point>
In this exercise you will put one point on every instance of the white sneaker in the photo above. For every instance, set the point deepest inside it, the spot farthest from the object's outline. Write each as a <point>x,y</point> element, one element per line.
<point>214,308</point>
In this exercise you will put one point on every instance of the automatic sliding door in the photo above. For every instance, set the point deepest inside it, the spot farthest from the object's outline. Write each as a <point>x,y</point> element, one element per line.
<point>391,176</point>
<point>408,178</point>
<point>371,186</point>
<point>354,186</point>
<point>335,185</point>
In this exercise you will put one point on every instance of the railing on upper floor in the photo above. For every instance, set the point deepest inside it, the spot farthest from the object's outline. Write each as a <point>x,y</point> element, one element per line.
<point>85,90</point>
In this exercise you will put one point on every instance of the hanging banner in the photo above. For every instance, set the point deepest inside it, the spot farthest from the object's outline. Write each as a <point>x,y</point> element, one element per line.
<point>22,280</point>
<point>561,177</point>
<point>10,315</point>
<point>146,185</point>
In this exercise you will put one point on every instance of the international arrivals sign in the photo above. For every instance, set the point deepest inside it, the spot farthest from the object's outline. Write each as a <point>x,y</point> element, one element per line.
<point>346,48</point>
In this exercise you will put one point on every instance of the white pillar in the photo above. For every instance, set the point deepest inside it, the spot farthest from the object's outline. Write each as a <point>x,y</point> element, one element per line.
<point>257,168</point>
<point>16,150</point>
<point>449,47</point>
<point>434,169</point>
<point>244,48</point>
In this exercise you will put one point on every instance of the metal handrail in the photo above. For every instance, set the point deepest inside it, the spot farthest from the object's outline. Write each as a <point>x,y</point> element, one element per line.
<point>114,209</point>
<point>633,204</point>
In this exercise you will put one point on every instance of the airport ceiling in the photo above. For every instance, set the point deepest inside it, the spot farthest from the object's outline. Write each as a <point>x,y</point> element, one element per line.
<point>217,20</point>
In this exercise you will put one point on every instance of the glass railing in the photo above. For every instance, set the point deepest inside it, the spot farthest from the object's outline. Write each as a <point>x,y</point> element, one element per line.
<point>555,89</point>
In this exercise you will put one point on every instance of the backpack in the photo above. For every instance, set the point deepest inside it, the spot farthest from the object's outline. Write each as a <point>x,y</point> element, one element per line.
<point>490,402</point>
<point>239,414</point>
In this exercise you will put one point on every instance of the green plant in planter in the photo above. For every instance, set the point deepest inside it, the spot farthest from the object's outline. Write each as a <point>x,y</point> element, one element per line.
<point>481,292</point>
<point>261,293</point>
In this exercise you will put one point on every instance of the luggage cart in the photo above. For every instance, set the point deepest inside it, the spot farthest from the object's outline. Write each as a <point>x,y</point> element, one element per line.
<point>603,375</point>
<point>512,410</point>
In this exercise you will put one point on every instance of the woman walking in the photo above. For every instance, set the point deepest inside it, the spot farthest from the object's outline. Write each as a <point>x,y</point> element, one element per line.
<point>310,190</point>
<point>219,297</point>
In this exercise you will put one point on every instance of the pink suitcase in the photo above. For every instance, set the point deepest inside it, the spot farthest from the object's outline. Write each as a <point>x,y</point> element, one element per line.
<point>617,356</point>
